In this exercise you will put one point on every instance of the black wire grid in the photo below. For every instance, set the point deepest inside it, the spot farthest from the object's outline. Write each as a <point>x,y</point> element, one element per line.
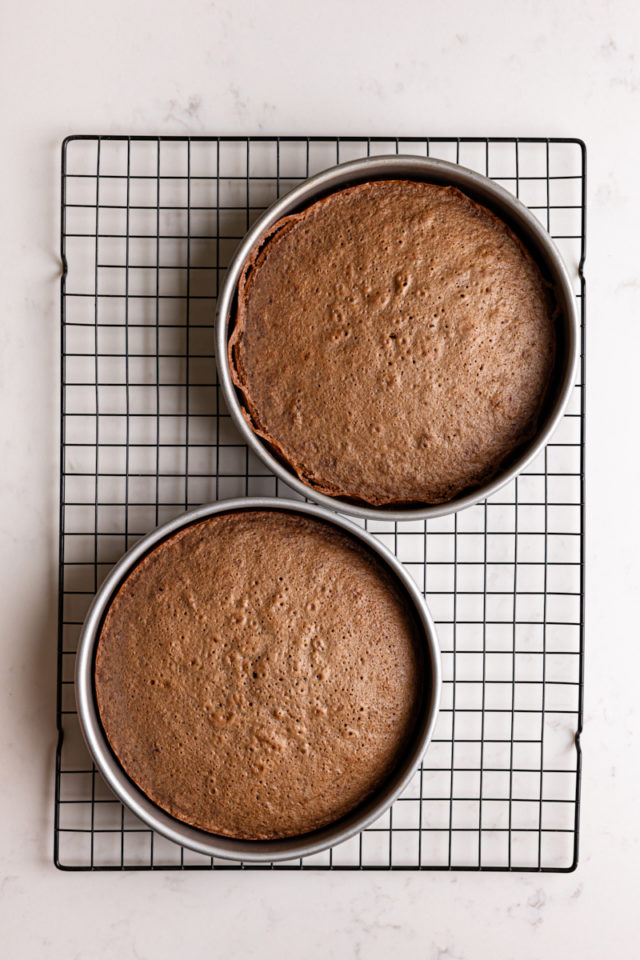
<point>148,226</point>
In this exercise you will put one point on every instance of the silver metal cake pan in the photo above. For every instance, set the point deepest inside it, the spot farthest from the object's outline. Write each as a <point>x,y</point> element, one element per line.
<point>484,191</point>
<point>255,851</point>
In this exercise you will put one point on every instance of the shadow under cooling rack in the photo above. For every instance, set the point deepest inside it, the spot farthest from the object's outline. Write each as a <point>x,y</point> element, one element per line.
<point>148,227</point>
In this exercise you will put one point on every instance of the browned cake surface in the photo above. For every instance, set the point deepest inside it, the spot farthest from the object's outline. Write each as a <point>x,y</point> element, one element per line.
<point>258,674</point>
<point>393,343</point>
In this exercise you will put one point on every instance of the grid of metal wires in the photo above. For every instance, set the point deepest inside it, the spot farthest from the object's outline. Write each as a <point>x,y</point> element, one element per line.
<point>148,226</point>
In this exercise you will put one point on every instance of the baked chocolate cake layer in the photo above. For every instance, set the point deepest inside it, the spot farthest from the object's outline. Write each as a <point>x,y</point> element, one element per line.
<point>259,674</point>
<point>393,343</point>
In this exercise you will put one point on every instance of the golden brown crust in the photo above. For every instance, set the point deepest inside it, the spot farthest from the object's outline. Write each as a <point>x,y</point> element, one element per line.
<point>393,343</point>
<point>259,674</point>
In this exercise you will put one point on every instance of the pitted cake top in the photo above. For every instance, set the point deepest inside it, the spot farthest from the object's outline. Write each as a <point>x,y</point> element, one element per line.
<point>259,674</point>
<point>393,343</point>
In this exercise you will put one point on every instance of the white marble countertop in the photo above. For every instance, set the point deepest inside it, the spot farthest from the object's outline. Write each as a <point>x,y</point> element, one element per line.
<point>428,68</point>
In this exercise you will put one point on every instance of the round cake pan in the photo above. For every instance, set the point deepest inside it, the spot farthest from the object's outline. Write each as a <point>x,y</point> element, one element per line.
<point>256,851</point>
<point>483,191</point>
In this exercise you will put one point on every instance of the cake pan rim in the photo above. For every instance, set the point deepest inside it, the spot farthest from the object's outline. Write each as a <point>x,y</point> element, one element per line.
<point>483,190</point>
<point>249,851</point>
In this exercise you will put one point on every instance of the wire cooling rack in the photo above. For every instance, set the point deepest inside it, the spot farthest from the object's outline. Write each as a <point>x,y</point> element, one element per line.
<point>148,226</point>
